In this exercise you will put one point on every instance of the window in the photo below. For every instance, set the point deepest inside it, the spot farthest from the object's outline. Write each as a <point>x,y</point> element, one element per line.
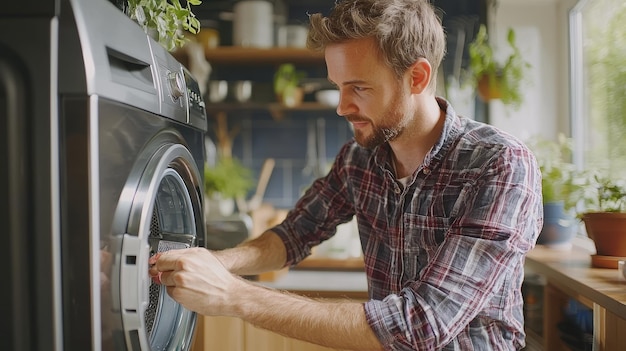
<point>598,57</point>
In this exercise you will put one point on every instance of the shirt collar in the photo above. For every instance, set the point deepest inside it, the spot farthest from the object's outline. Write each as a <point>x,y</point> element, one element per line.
<point>451,129</point>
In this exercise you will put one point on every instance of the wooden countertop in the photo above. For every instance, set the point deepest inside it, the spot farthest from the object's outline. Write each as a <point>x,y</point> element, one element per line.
<point>571,271</point>
<point>323,283</point>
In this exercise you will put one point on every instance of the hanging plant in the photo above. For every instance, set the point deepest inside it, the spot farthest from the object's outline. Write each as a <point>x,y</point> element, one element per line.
<point>493,79</point>
<point>164,19</point>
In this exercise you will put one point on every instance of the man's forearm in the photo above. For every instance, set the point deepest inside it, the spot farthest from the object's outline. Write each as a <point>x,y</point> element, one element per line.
<point>339,325</point>
<point>201,281</point>
<point>262,254</point>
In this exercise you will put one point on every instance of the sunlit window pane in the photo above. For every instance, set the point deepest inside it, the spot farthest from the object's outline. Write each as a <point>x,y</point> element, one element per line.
<point>599,33</point>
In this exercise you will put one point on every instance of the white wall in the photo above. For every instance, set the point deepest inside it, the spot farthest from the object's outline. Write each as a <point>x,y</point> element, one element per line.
<point>541,28</point>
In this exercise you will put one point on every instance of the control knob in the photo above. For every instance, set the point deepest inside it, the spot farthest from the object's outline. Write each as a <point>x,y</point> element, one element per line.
<point>177,84</point>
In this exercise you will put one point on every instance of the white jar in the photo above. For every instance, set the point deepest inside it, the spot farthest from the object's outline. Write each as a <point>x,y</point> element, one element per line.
<point>292,35</point>
<point>253,24</point>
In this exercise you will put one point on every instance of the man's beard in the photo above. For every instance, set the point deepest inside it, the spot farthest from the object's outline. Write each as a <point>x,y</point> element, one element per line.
<point>379,136</point>
<point>396,123</point>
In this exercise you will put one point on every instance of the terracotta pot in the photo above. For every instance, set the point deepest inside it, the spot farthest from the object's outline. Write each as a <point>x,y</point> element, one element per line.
<point>488,89</point>
<point>608,232</point>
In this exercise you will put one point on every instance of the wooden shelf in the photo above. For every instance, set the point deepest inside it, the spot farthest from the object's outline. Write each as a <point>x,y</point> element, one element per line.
<point>241,56</point>
<point>277,110</point>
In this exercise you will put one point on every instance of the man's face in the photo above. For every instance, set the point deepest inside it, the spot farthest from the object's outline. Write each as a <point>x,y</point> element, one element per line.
<point>373,100</point>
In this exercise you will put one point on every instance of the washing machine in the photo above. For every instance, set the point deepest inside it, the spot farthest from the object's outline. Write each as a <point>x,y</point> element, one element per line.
<point>123,164</point>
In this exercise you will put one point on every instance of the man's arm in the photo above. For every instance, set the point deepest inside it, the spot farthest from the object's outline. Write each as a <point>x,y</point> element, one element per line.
<point>262,254</point>
<point>197,279</point>
<point>338,325</point>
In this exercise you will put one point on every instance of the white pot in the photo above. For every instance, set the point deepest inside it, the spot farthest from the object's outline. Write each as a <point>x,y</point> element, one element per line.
<point>217,206</point>
<point>253,24</point>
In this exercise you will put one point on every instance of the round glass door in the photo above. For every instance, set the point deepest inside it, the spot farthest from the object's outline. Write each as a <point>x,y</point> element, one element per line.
<point>172,227</point>
<point>165,214</point>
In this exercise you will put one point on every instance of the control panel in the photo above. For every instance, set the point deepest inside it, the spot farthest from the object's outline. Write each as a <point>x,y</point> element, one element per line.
<point>197,111</point>
<point>196,102</point>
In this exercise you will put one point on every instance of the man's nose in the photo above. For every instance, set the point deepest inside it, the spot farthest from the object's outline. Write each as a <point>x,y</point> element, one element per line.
<point>346,106</point>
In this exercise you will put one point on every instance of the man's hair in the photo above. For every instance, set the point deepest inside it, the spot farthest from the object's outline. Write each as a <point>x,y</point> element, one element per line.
<point>404,30</point>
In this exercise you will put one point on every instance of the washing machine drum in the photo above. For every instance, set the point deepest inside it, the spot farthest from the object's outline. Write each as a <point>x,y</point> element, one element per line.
<point>164,212</point>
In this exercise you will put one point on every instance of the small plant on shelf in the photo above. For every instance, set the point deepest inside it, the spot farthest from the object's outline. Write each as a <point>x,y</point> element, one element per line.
<point>229,178</point>
<point>223,184</point>
<point>287,84</point>
<point>604,194</point>
<point>604,216</point>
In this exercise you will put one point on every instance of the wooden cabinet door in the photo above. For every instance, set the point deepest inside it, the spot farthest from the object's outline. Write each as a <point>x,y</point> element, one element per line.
<point>262,340</point>
<point>232,334</point>
<point>218,334</point>
<point>297,345</point>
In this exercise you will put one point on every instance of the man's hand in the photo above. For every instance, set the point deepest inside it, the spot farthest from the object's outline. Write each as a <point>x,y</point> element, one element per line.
<point>196,279</point>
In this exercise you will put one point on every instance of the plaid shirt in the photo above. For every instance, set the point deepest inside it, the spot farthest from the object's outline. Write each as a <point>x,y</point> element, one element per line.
<point>444,256</point>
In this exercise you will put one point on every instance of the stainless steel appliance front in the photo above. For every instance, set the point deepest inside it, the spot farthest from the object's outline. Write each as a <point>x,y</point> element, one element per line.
<point>132,147</point>
<point>102,150</point>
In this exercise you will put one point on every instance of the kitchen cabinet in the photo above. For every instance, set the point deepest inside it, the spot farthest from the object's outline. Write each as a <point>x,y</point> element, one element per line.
<point>233,334</point>
<point>569,274</point>
<point>218,333</point>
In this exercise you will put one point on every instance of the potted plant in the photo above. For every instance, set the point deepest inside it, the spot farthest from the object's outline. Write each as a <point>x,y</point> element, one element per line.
<point>162,19</point>
<point>225,182</point>
<point>491,78</point>
<point>287,85</point>
<point>562,187</point>
<point>604,216</point>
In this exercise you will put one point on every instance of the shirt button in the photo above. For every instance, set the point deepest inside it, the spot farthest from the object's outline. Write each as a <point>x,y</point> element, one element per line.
<point>398,190</point>
<point>426,171</point>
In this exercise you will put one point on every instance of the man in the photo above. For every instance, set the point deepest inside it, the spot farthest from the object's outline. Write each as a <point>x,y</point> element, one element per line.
<point>447,207</point>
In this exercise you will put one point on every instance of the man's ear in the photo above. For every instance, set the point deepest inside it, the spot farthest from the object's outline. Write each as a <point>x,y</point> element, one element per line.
<point>421,72</point>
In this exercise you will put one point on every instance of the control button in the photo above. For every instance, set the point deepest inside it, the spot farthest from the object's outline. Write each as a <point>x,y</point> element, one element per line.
<point>177,84</point>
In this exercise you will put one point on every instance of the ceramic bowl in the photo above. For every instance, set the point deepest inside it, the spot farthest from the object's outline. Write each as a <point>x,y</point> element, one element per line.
<point>242,90</point>
<point>328,97</point>
<point>218,89</point>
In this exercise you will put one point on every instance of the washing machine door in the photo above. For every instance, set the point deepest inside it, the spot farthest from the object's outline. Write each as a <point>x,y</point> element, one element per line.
<point>163,207</point>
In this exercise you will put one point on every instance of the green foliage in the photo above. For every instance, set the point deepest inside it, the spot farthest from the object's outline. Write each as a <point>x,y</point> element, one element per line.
<point>605,84</point>
<point>286,79</point>
<point>228,178</point>
<point>561,180</point>
<point>165,16</point>
<point>507,76</point>
<point>604,194</point>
